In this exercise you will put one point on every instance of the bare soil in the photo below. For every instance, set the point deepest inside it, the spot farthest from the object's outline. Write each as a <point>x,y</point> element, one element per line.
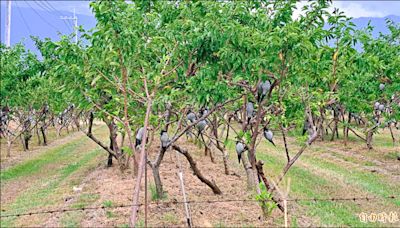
<point>109,187</point>
<point>117,188</point>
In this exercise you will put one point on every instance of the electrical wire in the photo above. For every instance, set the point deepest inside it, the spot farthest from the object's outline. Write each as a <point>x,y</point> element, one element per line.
<point>43,7</point>
<point>53,11</point>
<point>52,7</point>
<point>23,18</point>
<point>37,13</point>
<point>71,25</point>
<point>62,210</point>
<point>68,25</point>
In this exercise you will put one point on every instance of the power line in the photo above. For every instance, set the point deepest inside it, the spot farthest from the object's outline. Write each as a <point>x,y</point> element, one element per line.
<point>75,19</point>
<point>43,7</point>
<point>52,7</point>
<point>23,18</point>
<point>37,13</point>
<point>69,23</point>
<point>63,210</point>
<point>53,11</point>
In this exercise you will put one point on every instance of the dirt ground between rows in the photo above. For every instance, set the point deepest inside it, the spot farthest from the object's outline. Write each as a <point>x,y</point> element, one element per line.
<point>109,186</point>
<point>112,186</point>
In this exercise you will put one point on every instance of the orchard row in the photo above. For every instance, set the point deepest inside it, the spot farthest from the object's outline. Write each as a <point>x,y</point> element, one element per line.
<point>217,72</point>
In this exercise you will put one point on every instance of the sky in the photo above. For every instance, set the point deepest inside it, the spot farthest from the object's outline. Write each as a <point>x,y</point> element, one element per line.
<point>81,7</point>
<point>41,18</point>
<point>351,8</point>
<point>357,9</point>
<point>369,8</point>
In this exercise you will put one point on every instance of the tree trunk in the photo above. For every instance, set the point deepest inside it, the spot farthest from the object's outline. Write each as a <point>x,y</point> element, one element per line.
<point>58,129</point>
<point>369,139</point>
<point>38,136</point>
<point>346,129</point>
<point>323,130</point>
<point>335,125</point>
<point>337,131</point>
<point>112,147</point>
<point>218,144</point>
<point>109,160</point>
<point>9,146</point>
<point>122,139</point>
<point>112,128</point>
<point>204,143</point>
<point>249,173</point>
<point>43,135</point>
<point>155,167</point>
<point>53,120</point>
<point>334,130</point>
<point>260,172</point>
<point>22,141</point>
<point>157,181</point>
<point>391,133</point>
<point>211,154</point>
<point>252,147</point>
<point>225,161</point>
<point>90,122</point>
<point>27,137</point>
<point>196,171</point>
<point>77,122</point>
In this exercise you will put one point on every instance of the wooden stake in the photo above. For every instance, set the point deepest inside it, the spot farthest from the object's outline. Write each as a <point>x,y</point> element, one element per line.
<point>285,208</point>
<point>187,208</point>
<point>285,198</point>
<point>188,218</point>
<point>285,202</point>
<point>145,192</point>
<point>141,167</point>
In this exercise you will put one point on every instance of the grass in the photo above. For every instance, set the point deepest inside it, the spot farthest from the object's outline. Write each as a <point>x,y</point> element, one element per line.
<point>85,200</point>
<point>338,155</point>
<point>309,179</point>
<point>140,223</point>
<point>392,155</point>
<point>17,147</point>
<point>294,222</point>
<point>309,185</point>
<point>219,224</point>
<point>71,219</point>
<point>110,214</point>
<point>153,191</point>
<point>372,183</point>
<point>154,194</point>
<point>369,182</point>
<point>33,166</point>
<point>369,163</point>
<point>170,218</point>
<point>108,203</point>
<point>33,197</point>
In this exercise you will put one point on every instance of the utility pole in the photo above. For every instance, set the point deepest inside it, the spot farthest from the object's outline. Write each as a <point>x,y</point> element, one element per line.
<point>75,19</point>
<point>8,24</point>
